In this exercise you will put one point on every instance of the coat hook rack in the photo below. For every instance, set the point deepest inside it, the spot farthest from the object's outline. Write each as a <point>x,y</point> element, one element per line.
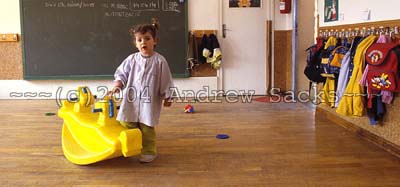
<point>200,33</point>
<point>388,27</point>
<point>9,37</point>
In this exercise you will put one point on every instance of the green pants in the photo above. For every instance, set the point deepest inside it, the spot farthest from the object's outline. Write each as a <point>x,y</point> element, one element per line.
<point>148,136</point>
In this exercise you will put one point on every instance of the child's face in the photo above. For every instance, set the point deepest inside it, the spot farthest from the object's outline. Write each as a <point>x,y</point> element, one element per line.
<point>145,43</point>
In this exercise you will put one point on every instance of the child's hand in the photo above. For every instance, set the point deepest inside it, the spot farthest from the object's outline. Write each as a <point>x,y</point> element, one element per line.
<point>167,102</point>
<point>117,88</point>
<point>113,91</point>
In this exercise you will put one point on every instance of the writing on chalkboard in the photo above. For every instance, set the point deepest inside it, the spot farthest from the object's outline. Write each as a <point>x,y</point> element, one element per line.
<point>122,14</point>
<point>112,9</point>
<point>169,5</point>
<point>70,4</point>
<point>131,9</point>
<point>153,5</point>
<point>134,6</point>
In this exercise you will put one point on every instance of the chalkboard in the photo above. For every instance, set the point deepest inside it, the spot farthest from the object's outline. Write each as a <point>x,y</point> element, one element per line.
<point>75,39</point>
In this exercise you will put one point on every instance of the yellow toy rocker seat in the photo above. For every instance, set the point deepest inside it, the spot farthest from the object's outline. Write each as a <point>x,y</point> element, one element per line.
<point>91,132</point>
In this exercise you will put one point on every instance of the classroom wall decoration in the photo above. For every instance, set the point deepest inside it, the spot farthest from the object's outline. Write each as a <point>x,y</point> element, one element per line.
<point>331,10</point>
<point>244,3</point>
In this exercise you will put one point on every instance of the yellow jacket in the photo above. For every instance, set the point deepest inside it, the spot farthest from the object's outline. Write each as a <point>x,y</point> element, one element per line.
<point>332,41</point>
<point>328,95</point>
<point>352,102</point>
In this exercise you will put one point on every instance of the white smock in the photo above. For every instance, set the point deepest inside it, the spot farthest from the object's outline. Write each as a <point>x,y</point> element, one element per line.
<point>146,82</point>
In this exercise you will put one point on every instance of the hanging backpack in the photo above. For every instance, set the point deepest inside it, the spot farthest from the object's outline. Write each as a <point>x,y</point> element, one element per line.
<point>383,73</point>
<point>383,63</point>
<point>313,68</point>
<point>332,60</point>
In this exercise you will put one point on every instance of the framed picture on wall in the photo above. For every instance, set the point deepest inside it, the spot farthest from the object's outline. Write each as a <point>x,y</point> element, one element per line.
<point>331,10</point>
<point>244,3</point>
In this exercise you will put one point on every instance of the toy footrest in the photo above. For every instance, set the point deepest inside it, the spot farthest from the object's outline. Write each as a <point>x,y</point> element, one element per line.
<point>80,154</point>
<point>131,142</point>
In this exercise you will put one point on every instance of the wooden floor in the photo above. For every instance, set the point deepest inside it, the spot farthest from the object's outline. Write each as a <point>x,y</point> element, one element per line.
<point>269,145</point>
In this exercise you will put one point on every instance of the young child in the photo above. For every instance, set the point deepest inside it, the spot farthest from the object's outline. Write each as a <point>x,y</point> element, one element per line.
<point>146,80</point>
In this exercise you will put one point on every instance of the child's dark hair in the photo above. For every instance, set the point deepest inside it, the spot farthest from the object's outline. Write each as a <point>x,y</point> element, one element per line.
<point>143,28</point>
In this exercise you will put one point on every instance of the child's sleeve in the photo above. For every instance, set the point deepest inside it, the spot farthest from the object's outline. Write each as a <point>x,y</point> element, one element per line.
<point>122,72</point>
<point>166,82</point>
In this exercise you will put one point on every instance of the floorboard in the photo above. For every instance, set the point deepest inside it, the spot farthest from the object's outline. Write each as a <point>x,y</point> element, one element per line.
<point>270,144</point>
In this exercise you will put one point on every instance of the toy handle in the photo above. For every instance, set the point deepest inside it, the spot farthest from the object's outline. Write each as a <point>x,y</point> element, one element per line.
<point>84,90</point>
<point>73,99</point>
<point>110,108</point>
<point>95,110</point>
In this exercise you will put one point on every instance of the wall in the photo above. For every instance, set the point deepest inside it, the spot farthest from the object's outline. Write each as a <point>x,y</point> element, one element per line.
<point>10,52</point>
<point>282,49</point>
<point>9,16</point>
<point>283,45</point>
<point>202,15</point>
<point>282,21</point>
<point>380,11</point>
<point>305,38</point>
<point>352,11</point>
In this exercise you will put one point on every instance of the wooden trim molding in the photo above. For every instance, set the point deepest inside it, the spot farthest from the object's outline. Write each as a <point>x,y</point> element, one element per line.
<point>376,25</point>
<point>282,59</point>
<point>9,37</point>
<point>373,138</point>
<point>269,55</point>
<point>11,61</point>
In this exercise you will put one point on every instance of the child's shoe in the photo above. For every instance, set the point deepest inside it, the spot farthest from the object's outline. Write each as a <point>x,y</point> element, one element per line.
<point>147,158</point>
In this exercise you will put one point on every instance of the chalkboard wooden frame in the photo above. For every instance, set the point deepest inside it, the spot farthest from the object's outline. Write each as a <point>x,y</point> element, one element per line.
<point>181,64</point>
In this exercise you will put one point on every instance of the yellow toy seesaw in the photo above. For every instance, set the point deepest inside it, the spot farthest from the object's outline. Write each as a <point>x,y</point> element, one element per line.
<point>91,132</point>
